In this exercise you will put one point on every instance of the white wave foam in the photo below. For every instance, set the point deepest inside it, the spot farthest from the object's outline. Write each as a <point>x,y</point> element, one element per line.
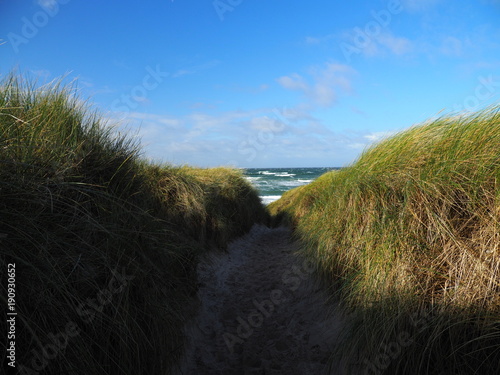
<point>253,179</point>
<point>290,183</point>
<point>266,199</point>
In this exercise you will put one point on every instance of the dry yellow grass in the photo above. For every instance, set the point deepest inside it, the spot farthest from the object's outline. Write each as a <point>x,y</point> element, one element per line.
<point>412,227</point>
<point>102,240</point>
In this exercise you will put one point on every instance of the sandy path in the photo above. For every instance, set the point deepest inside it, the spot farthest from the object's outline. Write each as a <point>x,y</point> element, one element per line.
<point>260,312</point>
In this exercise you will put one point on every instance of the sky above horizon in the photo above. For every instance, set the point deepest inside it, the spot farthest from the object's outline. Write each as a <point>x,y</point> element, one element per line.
<point>260,83</point>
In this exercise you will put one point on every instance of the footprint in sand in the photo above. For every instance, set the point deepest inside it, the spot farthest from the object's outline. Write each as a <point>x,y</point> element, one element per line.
<point>261,312</point>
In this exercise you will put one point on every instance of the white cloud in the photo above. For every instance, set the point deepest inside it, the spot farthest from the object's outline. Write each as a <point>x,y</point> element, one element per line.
<point>451,46</point>
<point>259,138</point>
<point>360,141</point>
<point>262,137</point>
<point>396,45</point>
<point>170,122</point>
<point>262,123</point>
<point>386,43</point>
<point>378,136</point>
<point>293,82</point>
<point>49,4</point>
<point>357,146</point>
<point>358,42</point>
<point>327,83</point>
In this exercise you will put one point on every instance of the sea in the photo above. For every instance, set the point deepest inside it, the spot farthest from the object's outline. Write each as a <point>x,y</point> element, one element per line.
<point>271,183</point>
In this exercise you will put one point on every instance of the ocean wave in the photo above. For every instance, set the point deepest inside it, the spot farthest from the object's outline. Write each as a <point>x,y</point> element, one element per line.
<point>289,183</point>
<point>272,182</point>
<point>266,199</point>
<point>253,179</point>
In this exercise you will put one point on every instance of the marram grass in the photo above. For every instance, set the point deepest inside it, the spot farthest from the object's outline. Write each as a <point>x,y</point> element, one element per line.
<point>105,244</point>
<point>409,235</point>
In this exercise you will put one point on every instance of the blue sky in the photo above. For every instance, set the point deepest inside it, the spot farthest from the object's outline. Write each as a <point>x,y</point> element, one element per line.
<point>261,83</point>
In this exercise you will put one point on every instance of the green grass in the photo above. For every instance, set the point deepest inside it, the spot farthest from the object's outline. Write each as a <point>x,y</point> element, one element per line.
<point>409,237</point>
<point>78,205</point>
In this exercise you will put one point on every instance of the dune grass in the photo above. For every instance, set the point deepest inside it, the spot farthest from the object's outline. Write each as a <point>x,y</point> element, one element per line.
<point>296,203</point>
<point>409,236</point>
<point>105,243</point>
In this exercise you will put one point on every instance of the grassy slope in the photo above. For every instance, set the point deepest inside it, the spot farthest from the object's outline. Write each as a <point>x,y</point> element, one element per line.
<point>410,235</point>
<point>101,238</point>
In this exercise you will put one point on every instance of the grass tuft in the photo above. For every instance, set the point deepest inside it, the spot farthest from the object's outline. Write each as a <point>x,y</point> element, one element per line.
<point>105,243</point>
<point>409,234</point>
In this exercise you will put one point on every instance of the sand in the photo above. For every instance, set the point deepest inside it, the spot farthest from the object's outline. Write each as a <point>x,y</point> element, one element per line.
<point>261,311</point>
